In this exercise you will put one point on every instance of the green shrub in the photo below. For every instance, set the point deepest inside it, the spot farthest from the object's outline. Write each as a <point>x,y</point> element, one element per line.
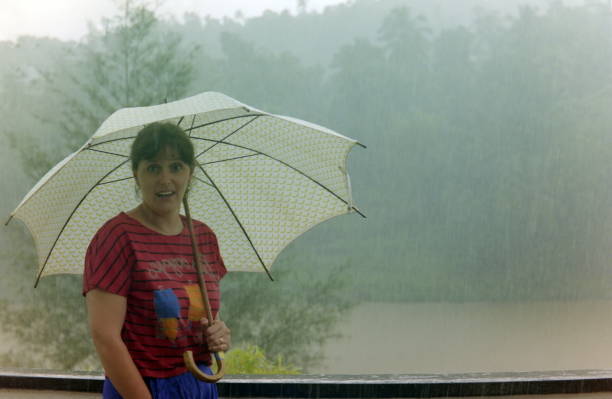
<point>251,359</point>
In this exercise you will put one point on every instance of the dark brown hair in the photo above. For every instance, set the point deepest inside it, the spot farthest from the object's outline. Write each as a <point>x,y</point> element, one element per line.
<point>155,137</point>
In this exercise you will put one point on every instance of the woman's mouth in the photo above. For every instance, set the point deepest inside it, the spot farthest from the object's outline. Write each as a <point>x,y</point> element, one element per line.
<point>164,194</point>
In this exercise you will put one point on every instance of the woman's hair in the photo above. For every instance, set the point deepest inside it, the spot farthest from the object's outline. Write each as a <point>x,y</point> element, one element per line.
<point>155,137</point>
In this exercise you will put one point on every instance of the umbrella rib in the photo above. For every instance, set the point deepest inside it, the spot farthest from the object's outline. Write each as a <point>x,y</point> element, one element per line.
<point>202,180</point>
<point>106,152</point>
<point>223,120</point>
<point>70,217</point>
<point>226,137</point>
<point>192,122</point>
<point>237,221</point>
<point>116,180</point>
<point>257,152</point>
<point>90,146</point>
<point>229,159</point>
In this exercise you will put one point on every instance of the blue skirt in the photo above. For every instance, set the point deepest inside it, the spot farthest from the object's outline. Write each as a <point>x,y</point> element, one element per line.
<point>183,386</point>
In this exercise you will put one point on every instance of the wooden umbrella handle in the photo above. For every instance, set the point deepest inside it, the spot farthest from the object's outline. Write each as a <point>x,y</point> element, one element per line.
<point>197,373</point>
<point>188,355</point>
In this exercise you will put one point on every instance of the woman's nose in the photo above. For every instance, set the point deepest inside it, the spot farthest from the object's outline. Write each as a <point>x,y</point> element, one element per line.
<point>164,175</point>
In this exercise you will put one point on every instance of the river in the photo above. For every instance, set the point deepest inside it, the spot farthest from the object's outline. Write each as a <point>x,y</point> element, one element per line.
<point>434,338</point>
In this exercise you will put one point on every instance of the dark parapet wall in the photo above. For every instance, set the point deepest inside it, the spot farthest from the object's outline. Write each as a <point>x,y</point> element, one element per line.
<point>372,386</point>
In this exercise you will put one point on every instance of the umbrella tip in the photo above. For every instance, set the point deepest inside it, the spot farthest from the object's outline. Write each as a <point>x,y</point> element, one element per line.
<point>359,212</point>
<point>361,145</point>
<point>8,220</point>
<point>267,272</point>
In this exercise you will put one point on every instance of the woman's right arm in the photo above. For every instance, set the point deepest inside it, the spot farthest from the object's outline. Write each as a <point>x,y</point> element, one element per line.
<point>106,314</point>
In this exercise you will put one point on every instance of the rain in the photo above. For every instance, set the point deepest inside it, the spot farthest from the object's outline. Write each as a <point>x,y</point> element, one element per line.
<point>485,179</point>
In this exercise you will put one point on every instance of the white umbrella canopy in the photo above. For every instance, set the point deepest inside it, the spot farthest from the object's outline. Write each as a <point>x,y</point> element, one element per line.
<point>260,181</point>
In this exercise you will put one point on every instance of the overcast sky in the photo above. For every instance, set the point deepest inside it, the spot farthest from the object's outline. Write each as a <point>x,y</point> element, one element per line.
<point>67,19</point>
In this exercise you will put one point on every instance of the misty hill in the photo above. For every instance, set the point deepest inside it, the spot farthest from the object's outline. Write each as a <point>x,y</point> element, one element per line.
<point>314,37</point>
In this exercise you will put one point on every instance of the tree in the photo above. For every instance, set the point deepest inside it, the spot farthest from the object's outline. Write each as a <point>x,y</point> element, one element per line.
<point>407,46</point>
<point>302,6</point>
<point>132,60</point>
<point>291,316</point>
<point>268,79</point>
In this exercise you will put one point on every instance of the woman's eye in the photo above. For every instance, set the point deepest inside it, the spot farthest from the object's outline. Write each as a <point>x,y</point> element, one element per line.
<point>153,168</point>
<point>176,167</point>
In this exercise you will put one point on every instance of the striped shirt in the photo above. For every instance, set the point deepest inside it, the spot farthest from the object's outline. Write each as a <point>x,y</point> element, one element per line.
<point>157,276</point>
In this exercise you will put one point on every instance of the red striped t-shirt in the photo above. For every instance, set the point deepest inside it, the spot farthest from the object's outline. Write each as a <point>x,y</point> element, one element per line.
<point>156,274</point>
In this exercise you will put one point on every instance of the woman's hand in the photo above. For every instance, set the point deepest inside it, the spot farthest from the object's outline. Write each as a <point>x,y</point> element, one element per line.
<point>218,335</point>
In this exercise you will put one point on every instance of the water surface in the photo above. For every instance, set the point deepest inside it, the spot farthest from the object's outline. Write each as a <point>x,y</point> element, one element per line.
<point>434,338</point>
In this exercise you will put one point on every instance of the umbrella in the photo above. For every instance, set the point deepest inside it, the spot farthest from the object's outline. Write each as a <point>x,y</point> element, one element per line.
<point>260,181</point>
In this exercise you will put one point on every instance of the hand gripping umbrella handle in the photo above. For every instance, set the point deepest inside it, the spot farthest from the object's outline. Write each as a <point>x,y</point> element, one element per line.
<point>188,355</point>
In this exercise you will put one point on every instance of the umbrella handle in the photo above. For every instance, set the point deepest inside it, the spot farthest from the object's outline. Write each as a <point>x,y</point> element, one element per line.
<point>188,355</point>
<point>197,373</point>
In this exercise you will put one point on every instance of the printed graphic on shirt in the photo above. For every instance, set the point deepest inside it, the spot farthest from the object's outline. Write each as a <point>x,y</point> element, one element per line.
<point>196,304</point>
<point>167,310</point>
<point>172,321</point>
<point>196,311</point>
<point>171,268</point>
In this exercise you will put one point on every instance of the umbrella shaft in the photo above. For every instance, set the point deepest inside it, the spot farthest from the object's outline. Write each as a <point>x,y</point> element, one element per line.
<point>198,263</point>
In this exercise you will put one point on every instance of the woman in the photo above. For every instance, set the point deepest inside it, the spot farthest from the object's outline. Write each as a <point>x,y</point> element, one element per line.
<point>140,283</point>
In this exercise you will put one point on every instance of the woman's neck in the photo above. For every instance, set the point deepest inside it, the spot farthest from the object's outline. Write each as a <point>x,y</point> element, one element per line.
<point>166,224</point>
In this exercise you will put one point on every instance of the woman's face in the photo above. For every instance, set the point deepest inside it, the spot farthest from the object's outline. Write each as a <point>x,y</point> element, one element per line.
<point>163,181</point>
